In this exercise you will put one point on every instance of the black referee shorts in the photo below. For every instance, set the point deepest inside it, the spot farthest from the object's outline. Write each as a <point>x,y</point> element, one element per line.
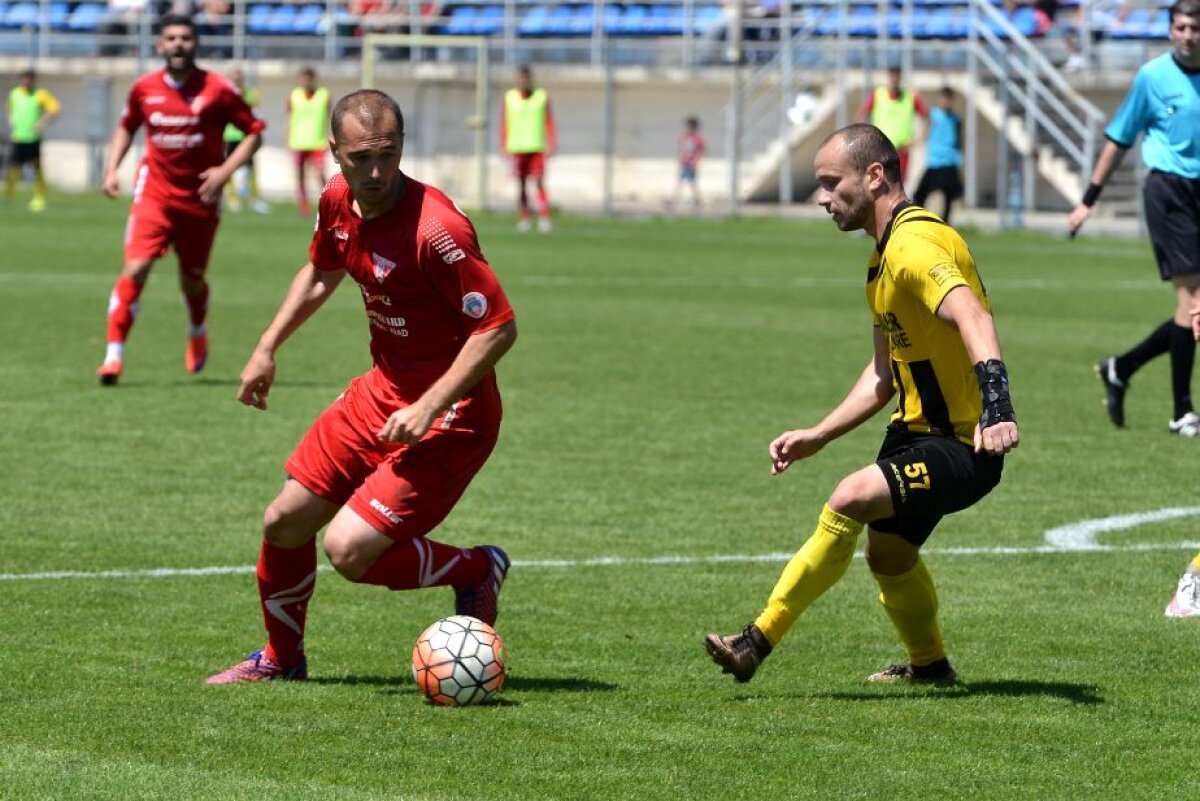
<point>1172,205</point>
<point>25,153</point>
<point>931,476</point>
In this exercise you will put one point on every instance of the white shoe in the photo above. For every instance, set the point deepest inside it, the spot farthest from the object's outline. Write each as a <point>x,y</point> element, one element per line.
<point>260,206</point>
<point>545,226</point>
<point>1186,426</point>
<point>1075,63</point>
<point>1186,602</point>
<point>524,225</point>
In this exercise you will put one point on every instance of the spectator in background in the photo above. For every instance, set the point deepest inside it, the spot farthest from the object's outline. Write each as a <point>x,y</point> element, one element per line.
<point>214,20</point>
<point>307,112</point>
<point>1093,19</point>
<point>123,19</point>
<point>244,186</point>
<point>29,111</point>
<point>894,110</point>
<point>690,151</point>
<point>943,154</point>
<point>528,137</point>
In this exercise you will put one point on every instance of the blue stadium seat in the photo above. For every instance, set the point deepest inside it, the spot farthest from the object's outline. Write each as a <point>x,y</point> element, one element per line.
<point>1024,19</point>
<point>864,21</point>
<point>706,18</point>
<point>86,17</point>
<point>582,21</point>
<point>22,15</point>
<point>308,20</point>
<point>665,20</point>
<point>535,23</point>
<point>631,22</point>
<point>462,21</point>
<point>489,20</point>
<point>258,18</point>
<point>558,23</point>
<point>281,20</point>
<point>59,13</point>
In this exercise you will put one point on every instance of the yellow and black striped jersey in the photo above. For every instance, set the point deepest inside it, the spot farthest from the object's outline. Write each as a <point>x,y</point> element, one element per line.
<point>918,260</point>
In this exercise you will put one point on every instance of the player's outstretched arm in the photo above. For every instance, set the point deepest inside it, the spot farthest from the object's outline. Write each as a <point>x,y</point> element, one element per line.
<point>478,356</point>
<point>309,290</point>
<point>1108,161</point>
<point>997,431</point>
<point>118,146</point>
<point>870,393</point>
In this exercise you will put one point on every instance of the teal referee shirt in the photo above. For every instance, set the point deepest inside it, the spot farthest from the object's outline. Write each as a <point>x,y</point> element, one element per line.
<point>1163,103</point>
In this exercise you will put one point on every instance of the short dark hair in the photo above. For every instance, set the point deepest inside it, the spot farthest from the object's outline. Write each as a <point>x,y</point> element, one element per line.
<point>948,92</point>
<point>28,73</point>
<point>366,105</point>
<point>167,20</point>
<point>309,71</point>
<point>867,145</point>
<point>692,122</point>
<point>1185,8</point>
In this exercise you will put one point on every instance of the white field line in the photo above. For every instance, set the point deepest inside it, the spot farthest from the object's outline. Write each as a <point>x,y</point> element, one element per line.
<point>1079,537</point>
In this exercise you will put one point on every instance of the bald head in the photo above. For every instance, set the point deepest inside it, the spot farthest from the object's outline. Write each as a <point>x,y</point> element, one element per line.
<point>865,145</point>
<point>372,110</point>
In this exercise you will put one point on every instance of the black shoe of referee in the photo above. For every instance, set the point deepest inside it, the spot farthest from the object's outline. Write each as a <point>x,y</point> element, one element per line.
<point>1114,390</point>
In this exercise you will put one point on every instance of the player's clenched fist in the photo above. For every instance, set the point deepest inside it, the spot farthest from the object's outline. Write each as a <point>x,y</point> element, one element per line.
<point>791,446</point>
<point>257,377</point>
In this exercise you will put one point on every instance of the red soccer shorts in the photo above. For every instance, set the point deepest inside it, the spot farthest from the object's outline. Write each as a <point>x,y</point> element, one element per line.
<point>313,157</point>
<point>402,491</point>
<point>152,228</point>
<point>529,165</point>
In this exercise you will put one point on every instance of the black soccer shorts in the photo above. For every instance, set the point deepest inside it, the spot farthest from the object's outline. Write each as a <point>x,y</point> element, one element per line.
<point>931,476</point>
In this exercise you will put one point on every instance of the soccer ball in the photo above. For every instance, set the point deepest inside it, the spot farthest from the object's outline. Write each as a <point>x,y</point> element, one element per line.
<point>459,661</point>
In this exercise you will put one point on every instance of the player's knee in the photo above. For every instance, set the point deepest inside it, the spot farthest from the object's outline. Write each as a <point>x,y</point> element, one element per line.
<point>282,528</point>
<point>137,270</point>
<point>344,556</point>
<point>849,498</point>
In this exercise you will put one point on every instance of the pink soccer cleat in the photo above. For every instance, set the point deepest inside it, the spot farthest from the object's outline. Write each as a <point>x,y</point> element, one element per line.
<point>257,667</point>
<point>197,353</point>
<point>109,372</point>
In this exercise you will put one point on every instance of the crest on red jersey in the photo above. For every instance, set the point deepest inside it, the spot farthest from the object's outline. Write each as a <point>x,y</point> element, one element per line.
<point>383,267</point>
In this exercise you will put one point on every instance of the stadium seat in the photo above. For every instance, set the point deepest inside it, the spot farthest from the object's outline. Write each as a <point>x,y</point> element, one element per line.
<point>489,21</point>
<point>59,14</point>
<point>462,21</point>
<point>558,22</point>
<point>665,20</point>
<point>706,18</point>
<point>630,23</point>
<point>258,18</point>
<point>535,22</point>
<point>281,20</point>
<point>86,17</point>
<point>22,15</point>
<point>308,20</point>
<point>864,21</point>
<point>582,21</point>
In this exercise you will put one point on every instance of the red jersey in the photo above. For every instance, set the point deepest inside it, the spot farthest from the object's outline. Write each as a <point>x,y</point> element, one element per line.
<point>691,148</point>
<point>184,133</point>
<point>424,282</point>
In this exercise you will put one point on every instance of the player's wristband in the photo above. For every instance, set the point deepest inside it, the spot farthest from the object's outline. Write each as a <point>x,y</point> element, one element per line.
<point>992,376</point>
<point>1092,194</point>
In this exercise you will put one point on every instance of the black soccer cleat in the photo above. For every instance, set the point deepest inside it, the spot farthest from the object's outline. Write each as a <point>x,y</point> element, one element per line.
<point>1114,390</point>
<point>739,654</point>
<point>939,672</point>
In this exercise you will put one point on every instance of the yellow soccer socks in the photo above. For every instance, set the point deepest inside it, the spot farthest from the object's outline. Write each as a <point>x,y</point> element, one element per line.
<point>1195,565</point>
<point>815,568</point>
<point>911,602</point>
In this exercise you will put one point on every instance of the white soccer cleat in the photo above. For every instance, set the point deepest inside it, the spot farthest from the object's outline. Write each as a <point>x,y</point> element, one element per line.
<point>1186,426</point>
<point>1186,602</point>
<point>545,226</point>
<point>524,224</point>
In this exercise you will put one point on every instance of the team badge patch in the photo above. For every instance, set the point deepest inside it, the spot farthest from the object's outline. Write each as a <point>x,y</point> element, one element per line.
<point>474,305</point>
<point>383,267</point>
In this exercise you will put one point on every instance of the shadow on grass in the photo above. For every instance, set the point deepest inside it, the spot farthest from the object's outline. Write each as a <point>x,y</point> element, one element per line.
<point>1085,694</point>
<point>533,684</point>
<point>558,685</point>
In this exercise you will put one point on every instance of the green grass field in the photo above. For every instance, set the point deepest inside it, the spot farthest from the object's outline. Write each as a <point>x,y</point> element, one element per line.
<point>656,361</point>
